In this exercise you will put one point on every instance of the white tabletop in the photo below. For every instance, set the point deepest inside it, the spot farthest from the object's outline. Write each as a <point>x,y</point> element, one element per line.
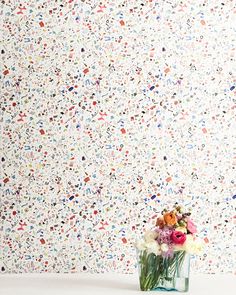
<point>109,283</point>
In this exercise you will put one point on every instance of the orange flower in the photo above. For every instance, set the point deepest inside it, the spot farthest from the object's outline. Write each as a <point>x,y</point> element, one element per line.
<point>160,222</point>
<point>170,218</point>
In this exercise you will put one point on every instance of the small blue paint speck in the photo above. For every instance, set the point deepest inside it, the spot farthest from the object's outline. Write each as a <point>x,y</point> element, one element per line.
<point>71,88</point>
<point>71,198</point>
<point>234,197</point>
<point>152,87</point>
<point>232,88</point>
<point>153,197</point>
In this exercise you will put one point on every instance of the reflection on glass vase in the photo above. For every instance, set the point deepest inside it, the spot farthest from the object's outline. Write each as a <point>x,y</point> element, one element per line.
<point>158,273</point>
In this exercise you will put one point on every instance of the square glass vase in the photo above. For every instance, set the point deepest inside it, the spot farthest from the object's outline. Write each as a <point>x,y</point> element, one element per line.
<point>158,273</point>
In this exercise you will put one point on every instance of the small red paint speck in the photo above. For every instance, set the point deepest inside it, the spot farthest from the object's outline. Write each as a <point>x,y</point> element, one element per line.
<point>168,179</point>
<point>122,23</point>
<point>94,103</point>
<point>14,213</point>
<point>206,240</point>
<point>14,104</point>
<point>86,179</point>
<point>6,72</point>
<point>6,180</point>
<point>167,70</point>
<point>95,212</point>
<point>123,131</point>
<point>85,71</point>
<point>124,240</point>
<point>42,241</point>
<point>42,132</point>
<point>204,130</point>
<point>41,24</point>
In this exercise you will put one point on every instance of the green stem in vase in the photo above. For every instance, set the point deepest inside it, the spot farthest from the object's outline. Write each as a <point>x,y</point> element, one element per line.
<point>149,266</point>
<point>155,271</point>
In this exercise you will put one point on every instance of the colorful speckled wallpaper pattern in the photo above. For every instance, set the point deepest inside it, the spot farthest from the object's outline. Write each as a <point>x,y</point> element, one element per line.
<point>112,110</point>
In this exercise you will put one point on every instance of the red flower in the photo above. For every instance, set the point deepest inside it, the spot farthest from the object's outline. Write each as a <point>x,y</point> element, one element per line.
<point>178,237</point>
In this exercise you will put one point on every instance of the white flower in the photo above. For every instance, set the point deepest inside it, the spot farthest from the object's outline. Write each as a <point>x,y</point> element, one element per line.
<point>192,245</point>
<point>150,236</point>
<point>153,247</point>
<point>164,247</point>
<point>140,245</point>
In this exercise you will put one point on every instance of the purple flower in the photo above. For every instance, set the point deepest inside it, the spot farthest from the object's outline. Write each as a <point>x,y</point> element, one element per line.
<point>164,235</point>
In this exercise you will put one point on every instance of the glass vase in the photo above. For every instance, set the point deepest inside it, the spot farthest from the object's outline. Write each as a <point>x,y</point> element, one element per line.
<point>158,273</point>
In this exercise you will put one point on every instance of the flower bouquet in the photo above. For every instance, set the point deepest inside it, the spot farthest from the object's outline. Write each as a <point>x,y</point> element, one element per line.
<point>164,253</point>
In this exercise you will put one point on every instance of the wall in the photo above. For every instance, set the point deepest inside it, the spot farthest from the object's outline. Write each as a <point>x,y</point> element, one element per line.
<point>112,111</point>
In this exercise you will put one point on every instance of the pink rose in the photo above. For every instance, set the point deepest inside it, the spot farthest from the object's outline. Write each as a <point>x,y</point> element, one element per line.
<point>191,226</point>
<point>178,237</point>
